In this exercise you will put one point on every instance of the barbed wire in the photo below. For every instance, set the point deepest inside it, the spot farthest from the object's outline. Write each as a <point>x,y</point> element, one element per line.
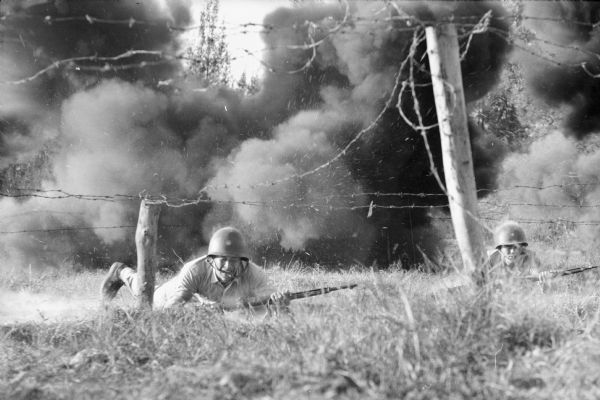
<point>423,129</point>
<point>418,37</point>
<point>340,153</point>
<point>285,204</point>
<point>482,25</point>
<point>82,228</point>
<point>62,194</point>
<point>73,62</point>
<point>400,87</point>
<point>242,28</point>
<point>516,43</point>
<point>131,21</point>
<point>550,221</point>
<point>24,192</point>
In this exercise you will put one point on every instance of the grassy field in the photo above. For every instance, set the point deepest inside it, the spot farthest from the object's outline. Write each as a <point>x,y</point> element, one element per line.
<point>400,335</point>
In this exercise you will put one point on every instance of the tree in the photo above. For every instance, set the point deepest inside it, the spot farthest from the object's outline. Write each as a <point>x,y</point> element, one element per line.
<point>209,57</point>
<point>498,112</point>
<point>248,87</point>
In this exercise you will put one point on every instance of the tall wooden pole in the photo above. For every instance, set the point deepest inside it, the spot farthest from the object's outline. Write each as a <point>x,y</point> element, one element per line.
<point>444,62</point>
<point>145,242</point>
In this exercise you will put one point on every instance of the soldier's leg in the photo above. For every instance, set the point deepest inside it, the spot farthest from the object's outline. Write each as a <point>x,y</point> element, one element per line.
<point>118,275</point>
<point>129,277</point>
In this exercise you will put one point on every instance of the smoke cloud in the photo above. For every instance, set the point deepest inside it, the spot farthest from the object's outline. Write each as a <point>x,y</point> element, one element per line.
<point>568,175</point>
<point>556,178</point>
<point>123,131</point>
<point>565,33</point>
<point>355,72</point>
<point>301,209</point>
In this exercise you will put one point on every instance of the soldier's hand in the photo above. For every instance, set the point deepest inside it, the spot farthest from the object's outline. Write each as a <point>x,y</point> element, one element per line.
<point>280,299</point>
<point>279,304</point>
<point>545,276</point>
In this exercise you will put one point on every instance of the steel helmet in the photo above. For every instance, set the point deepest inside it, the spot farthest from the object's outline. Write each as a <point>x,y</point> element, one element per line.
<point>509,233</point>
<point>227,242</point>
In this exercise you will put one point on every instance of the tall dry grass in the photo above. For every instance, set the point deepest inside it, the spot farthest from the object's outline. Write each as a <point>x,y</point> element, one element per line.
<point>400,335</point>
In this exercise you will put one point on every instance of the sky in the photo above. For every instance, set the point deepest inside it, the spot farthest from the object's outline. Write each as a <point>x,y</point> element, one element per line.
<point>236,13</point>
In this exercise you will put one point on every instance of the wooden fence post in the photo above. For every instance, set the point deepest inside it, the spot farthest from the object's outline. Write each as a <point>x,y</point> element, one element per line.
<point>444,62</point>
<point>145,242</point>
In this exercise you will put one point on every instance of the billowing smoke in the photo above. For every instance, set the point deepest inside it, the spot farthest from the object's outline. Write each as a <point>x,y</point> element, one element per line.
<point>557,178</point>
<point>566,34</point>
<point>301,209</point>
<point>556,189</point>
<point>348,84</point>
<point>124,131</point>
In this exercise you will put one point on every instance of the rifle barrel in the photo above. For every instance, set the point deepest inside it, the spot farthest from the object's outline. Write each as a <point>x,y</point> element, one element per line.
<point>303,294</point>
<point>577,270</point>
<point>563,272</point>
<point>315,292</point>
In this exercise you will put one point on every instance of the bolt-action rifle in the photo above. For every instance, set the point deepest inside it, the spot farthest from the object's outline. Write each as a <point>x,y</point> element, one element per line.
<point>299,295</point>
<point>561,272</point>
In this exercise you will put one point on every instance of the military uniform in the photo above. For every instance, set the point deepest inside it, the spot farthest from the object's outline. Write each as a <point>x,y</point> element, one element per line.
<point>511,257</point>
<point>224,277</point>
<point>198,277</point>
<point>526,263</point>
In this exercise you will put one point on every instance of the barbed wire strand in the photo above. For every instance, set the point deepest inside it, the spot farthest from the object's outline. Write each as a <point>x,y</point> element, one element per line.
<point>422,129</point>
<point>62,194</point>
<point>481,26</point>
<point>73,60</point>
<point>312,46</point>
<point>275,202</point>
<point>341,152</point>
<point>83,228</point>
<point>131,21</point>
<point>551,221</point>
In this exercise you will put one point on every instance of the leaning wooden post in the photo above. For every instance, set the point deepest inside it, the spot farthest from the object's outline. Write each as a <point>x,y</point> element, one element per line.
<point>444,62</point>
<point>145,242</point>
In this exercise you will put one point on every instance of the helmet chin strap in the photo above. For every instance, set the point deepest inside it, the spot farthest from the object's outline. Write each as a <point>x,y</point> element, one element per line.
<point>223,283</point>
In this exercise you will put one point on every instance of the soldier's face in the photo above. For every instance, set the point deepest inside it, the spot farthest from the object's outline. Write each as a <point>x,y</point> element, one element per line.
<point>510,252</point>
<point>228,268</point>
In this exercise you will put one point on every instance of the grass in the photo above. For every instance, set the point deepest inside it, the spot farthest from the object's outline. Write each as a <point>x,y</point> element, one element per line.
<point>401,335</point>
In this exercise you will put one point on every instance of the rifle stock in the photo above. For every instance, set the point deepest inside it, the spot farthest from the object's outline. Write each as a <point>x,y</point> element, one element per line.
<point>299,295</point>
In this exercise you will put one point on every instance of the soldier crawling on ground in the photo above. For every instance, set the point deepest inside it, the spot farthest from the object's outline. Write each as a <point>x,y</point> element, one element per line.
<point>224,278</point>
<point>511,257</point>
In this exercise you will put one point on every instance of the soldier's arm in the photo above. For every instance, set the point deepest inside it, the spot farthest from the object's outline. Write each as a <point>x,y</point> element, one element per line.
<point>185,286</point>
<point>200,301</point>
<point>262,289</point>
<point>535,268</point>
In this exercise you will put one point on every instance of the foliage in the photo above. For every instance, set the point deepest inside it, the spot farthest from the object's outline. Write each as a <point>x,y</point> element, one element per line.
<point>248,86</point>
<point>209,58</point>
<point>498,114</point>
<point>29,174</point>
<point>510,111</point>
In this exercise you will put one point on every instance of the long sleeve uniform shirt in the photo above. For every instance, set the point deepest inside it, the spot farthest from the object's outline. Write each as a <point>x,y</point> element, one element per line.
<point>197,276</point>
<point>525,264</point>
